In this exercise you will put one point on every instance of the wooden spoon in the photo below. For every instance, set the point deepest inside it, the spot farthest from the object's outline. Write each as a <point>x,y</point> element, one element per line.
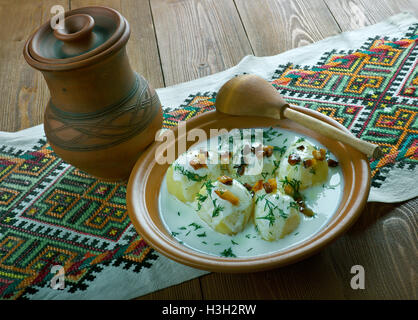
<point>250,95</point>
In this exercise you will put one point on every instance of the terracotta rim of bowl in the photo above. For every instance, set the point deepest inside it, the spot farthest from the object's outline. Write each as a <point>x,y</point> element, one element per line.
<point>147,175</point>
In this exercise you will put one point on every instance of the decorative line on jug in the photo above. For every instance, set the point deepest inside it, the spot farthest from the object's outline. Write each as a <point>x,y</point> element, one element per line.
<point>103,130</point>
<point>88,115</point>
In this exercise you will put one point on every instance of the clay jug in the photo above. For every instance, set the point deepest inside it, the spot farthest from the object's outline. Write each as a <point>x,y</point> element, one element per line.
<point>101,114</point>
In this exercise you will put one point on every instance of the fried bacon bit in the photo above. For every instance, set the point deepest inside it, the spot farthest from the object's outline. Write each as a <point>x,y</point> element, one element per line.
<point>270,186</point>
<point>293,159</point>
<point>225,180</point>
<point>302,207</point>
<point>197,165</point>
<point>332,163</point>
<point>301,147</point>
<point>308,212</point>
<point>200,160</point>
<point>228,196</point>
<point>267,187</point>
<point>267,151</point>
<point>288,189</point>
<point>308,163</point>
<point>248,186</point>
<point>319,154</point>
<point>241,169</point>
<point>300,203</point>
<point>273,183</point>
<point>258,185</point>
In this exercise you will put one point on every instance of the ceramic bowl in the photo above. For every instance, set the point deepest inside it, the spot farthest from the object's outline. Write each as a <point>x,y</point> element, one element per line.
<point>147,176</point>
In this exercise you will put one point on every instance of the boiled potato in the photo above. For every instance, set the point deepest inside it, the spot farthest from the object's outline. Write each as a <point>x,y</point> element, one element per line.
<point>275,214</point>
<point>304,163</point>
<point>187,174</point>
<point>225,205</point>
<point>254,162</point>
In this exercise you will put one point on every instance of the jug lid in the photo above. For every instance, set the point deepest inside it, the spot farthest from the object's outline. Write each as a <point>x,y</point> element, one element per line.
<point>87,33</point>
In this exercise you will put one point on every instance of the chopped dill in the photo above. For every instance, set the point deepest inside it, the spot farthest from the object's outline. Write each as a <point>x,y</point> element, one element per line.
<point>260,198</point>
<point>188,174</point>
<point>209,186</point>
<point>175,234</point>
<point>217,209</point>
<point>201,235</point>
<point>283,214</point>
<point>228,253</point>
<point>295,184</point>
<point>282,150</point>
<point>270,215</point>
<point>300,140</point>
<point>276,166</point>
<point>270,133</point>
<point>233,242</point>
<point>195,225</point>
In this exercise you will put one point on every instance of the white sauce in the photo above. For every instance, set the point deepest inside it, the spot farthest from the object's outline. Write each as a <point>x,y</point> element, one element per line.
<point>182,221</point>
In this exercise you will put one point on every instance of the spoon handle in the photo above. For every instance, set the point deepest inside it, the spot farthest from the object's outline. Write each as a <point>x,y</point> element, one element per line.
<point>370,149</point>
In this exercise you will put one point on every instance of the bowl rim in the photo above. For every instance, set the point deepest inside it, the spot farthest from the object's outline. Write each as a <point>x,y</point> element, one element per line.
<point>355,194</point>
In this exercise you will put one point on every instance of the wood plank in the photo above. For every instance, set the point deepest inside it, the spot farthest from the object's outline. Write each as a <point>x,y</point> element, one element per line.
<point>142,45</point>
<point>275,26</point>
<point>189,290</point>
<point>313,278</point>
<point>24,93</point>
<point>198,38</point>
<point>355,14</point>
<point>383,241</point>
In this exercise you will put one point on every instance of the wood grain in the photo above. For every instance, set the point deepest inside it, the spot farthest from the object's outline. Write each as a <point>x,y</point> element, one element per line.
<point>384,241</point>
<point>189,290</point>
<point>142,45</point>
<point>197,38</point>
<point>24,93</point>
<point>275,26</point>
<point>355,14</point>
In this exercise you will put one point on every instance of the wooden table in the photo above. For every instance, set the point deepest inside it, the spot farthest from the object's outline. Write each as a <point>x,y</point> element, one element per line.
<point>173,41</point>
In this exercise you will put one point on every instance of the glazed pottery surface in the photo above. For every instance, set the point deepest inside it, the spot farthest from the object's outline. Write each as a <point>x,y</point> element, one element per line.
<point>146,178</point>
<point>101,114</point>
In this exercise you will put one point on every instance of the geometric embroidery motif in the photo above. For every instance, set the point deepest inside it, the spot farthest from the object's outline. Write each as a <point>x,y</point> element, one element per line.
<point>53,214</point>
